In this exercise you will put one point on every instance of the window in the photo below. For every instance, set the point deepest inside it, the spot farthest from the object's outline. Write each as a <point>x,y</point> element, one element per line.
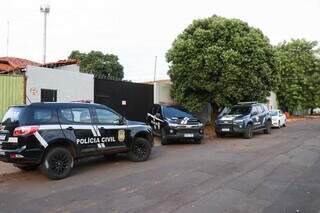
<point>239,110</point>
<point>254,111</point>
<point>76,115</point>
<point>12,115</point>
<point>48,95</point>
<point>107,117</point>
<point>175,112</point>
<point>42,115</point>
<point>259,109</point>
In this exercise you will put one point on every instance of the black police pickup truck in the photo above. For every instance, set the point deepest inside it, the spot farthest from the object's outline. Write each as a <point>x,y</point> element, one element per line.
<point>244,118</point>
<point>174,123</point>
<point>54,135</point>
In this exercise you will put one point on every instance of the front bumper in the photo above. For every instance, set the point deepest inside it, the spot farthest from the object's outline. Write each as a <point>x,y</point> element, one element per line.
<point>275,123</point>
<point>184,133</point>
<point>231,128</point>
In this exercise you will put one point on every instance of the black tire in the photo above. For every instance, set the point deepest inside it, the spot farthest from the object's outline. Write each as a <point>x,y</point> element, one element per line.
<point>140,150</point>
<point>57,163</point>
<point>220,134</point>
<point>27,167</point>
<point>249,132</point>
<point>267,129</point>
<point>197,141</point>
<point>110,156</point>
<point>164,139</point>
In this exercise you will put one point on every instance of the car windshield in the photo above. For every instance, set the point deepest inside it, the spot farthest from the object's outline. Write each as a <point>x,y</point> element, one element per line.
<point>274,113</point>
<point>173,111</point>
<point>12,115</point>
<point>239,110</point>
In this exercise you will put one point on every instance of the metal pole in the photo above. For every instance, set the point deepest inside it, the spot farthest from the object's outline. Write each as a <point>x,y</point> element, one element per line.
<point>8,25</point>
<point>44,38</point>
<point>155,70</point>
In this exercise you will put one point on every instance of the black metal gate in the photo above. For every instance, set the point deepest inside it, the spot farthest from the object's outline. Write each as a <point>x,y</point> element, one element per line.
<point>132,100</point>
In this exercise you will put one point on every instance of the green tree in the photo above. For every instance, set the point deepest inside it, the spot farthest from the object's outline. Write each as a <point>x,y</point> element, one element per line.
<point>221,61</point>
<point>101,65</point>
<point>298,65</point>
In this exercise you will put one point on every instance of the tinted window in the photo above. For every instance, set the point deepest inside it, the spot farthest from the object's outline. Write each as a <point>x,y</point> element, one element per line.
<point>76,115</point>
<point>259,109</point>
<point>107,117</point>
<point>178,112</point>
<point>41,115</point>
<point>254,110</point>
<point>274,113</point>
<point>240,110</point>
<point>12,115</point>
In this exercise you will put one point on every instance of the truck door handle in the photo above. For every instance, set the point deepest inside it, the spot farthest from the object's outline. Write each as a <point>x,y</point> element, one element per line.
<point>70,128</point>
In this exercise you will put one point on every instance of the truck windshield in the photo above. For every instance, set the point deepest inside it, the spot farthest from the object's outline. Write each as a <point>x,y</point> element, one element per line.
<point>12,115</point>
<point>239,110</point>
<point>178,112</point>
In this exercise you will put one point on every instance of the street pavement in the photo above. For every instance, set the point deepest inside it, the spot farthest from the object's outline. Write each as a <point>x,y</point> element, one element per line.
<point>272,173</point>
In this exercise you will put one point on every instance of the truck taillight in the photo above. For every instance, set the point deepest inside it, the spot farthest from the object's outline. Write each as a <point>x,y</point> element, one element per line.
<point>25,130</point>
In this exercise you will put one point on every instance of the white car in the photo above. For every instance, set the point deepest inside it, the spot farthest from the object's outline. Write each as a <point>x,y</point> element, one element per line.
<point>279,119</point>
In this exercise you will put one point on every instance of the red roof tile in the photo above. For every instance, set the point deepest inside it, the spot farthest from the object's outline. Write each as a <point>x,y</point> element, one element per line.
<point>11,64</point>
<point>61,63</point>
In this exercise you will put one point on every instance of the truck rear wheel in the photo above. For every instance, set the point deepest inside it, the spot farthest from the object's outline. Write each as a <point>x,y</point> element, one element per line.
<point>57,163</point>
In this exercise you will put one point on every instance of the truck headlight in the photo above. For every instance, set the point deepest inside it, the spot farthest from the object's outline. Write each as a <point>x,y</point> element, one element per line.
<point>173,125</point>
<point>238,121</point>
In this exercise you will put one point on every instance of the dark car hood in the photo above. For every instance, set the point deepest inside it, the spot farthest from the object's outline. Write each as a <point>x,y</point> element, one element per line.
<point>230,117</point>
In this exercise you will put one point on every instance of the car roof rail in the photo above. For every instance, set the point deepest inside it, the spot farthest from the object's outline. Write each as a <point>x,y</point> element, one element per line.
<point>249,102</point>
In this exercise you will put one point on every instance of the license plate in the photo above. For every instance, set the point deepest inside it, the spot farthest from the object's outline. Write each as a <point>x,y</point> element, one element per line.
<point>188,135</point>
<point>225,129</point>
<point>2,153</point>
<point>2,137</point>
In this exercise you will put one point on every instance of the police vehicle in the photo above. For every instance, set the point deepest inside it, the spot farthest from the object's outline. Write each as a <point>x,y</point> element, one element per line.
<point>244,118</point>
<point>55,135</point>
<point>174,123</point>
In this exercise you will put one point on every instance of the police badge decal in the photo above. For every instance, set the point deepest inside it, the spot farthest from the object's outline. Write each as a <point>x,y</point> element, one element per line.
<point>121,135</point>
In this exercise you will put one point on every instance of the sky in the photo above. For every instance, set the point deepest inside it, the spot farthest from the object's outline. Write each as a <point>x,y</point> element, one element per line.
<point>138,31</point>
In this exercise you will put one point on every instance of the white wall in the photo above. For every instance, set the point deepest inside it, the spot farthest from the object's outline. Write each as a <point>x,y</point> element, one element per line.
<point>71,85</point>
<point>272,101</point>
<point>162,93</point>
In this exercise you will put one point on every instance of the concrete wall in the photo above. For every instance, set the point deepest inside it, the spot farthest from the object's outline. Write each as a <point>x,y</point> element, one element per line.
<point>162,93</point>
<point>71,85</point>
<point>71,67</point>
<point>272,101</point>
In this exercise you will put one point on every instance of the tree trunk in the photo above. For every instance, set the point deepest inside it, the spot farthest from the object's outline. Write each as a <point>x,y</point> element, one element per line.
<point>311,111</point>
<point>214,114</point>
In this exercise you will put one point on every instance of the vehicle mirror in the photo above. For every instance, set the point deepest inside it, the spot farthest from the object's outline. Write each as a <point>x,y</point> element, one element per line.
<point>254,113</point>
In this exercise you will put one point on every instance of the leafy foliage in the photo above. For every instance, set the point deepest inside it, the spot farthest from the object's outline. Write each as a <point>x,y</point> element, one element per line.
<point>221,61</point>
<point>299,68</point>
<point>101,65</point>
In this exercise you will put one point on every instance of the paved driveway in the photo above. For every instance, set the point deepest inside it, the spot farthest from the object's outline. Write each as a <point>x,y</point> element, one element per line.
<point>269,173</point>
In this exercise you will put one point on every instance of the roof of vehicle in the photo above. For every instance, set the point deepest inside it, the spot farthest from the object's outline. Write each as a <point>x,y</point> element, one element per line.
<point>69,104</point>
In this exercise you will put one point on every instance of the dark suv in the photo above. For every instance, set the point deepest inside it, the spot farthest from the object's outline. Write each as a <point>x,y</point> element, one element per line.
<point>244,118</point>
<point>55,135</point>
<point>174,123</point>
